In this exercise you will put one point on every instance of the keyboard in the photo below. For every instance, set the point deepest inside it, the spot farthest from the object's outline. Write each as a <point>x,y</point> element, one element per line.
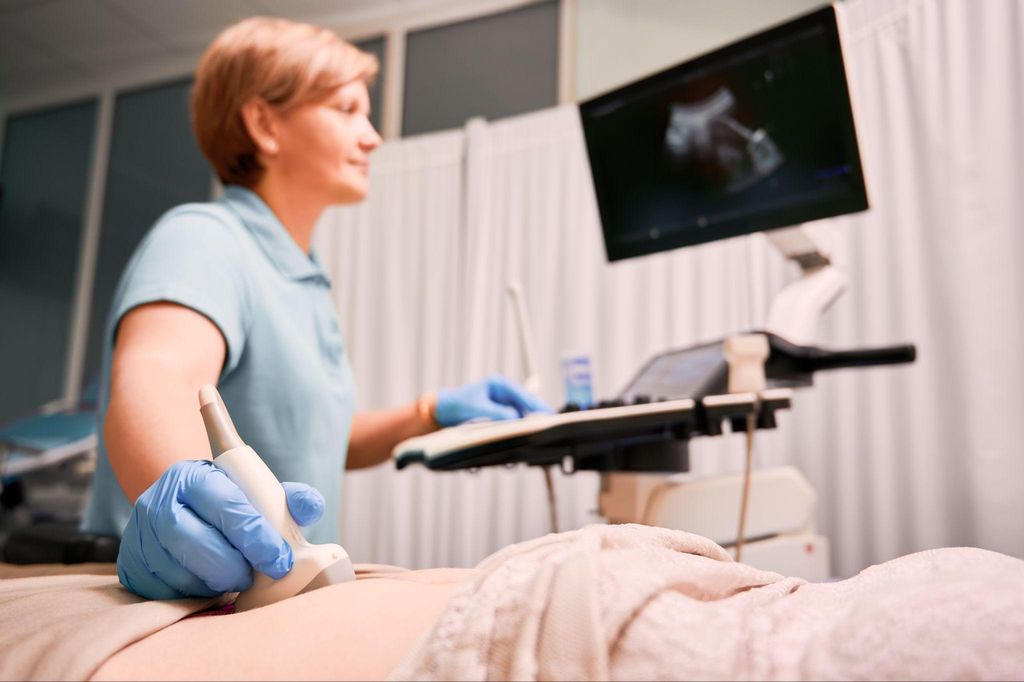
<point>543,439</point>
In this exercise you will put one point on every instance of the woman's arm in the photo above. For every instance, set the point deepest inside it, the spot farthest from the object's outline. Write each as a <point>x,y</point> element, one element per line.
<point>164,353</point>
<point>191,531</point>
<point>375,434</point>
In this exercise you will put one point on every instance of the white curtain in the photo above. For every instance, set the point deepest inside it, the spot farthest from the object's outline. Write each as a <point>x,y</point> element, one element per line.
<point>395,283</point>
<point>902,458</point>
<point>931,455</point>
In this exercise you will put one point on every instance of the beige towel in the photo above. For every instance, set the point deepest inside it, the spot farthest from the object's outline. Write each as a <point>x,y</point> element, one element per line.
<point>634,602</point>
<point>63,627</point>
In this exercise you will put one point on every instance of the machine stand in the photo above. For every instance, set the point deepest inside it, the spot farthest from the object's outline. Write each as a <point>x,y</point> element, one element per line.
<point>781,530</point>
<point>668,453</point>
<point>797,309</point>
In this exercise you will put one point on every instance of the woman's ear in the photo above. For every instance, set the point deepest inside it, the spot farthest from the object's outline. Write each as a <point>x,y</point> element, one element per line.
<point>261,123</point>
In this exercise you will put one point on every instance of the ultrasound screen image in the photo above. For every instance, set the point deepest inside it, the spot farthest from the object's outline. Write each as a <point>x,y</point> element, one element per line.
<point>754,136</point>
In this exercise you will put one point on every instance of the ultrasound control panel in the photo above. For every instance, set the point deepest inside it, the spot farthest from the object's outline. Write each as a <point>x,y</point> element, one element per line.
<point>676,396</point>
<point>648,435</point>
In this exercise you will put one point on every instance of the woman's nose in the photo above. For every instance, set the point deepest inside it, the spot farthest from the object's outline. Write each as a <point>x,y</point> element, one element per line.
<point>371,140</point>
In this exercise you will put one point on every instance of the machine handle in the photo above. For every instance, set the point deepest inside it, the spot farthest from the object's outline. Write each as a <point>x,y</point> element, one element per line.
<point>820,359</point>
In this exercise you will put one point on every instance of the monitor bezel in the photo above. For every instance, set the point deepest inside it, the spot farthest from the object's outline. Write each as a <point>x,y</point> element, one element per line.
<point>856,200</point>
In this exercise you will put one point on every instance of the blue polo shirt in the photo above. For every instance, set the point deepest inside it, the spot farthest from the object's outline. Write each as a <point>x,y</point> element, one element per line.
<point>286,381</point>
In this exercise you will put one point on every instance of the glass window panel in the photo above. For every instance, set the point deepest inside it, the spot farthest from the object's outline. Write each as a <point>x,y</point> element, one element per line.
<point>376,47</point>
<point>43,182</point>
<point>155,164</point>
<point>494,66</point>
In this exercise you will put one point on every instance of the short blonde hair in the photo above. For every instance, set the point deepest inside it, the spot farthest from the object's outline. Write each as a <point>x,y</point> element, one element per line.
<point>285,63</point>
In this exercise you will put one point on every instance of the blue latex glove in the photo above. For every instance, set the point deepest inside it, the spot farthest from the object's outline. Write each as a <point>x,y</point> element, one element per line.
<point>493,398</point>
<point>193,533</point>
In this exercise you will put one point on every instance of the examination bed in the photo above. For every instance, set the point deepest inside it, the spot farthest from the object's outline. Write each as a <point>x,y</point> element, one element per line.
<point>604,602</point>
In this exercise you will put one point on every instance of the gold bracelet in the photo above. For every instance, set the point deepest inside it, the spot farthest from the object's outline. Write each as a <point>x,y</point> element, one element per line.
<point>426,406</point>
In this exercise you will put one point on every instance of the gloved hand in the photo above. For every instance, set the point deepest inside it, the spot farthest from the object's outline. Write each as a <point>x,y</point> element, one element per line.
<point>193,533</point>
<point>492,398</point>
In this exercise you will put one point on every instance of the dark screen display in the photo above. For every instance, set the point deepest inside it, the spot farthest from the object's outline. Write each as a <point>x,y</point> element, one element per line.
<point>686,373</point>
<point>754,136</point>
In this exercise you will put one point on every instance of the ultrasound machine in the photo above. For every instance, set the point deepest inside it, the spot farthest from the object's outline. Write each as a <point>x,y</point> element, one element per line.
<point>756,136</point>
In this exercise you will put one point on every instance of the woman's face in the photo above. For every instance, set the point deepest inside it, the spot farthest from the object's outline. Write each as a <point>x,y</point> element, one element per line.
<point>324,147</point>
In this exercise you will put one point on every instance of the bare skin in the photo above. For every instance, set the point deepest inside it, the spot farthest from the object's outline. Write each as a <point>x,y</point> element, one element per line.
<point>164,353</point>
<point>358,630</point>
<point>313,156</point>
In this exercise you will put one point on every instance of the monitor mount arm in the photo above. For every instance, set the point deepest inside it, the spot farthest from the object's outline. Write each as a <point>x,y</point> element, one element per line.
<point>796,310</point>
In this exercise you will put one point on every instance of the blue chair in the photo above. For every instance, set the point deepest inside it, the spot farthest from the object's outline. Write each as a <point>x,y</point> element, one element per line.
<point>43,440</point>
<point>55,433</point>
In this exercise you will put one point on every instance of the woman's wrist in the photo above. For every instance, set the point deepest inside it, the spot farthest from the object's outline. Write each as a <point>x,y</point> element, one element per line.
<point>426,411</point>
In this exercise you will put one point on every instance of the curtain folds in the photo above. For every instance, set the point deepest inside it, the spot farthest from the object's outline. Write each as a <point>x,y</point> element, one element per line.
<point>902,458</point>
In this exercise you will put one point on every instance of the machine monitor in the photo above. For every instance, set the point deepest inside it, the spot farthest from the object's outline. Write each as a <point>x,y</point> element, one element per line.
<point>753,136</point>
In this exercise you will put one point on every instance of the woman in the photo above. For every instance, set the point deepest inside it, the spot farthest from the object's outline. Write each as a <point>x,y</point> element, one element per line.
<point>230,292</point>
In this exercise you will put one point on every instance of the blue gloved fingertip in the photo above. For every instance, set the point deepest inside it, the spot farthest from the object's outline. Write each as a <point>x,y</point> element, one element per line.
<point>280,568</point>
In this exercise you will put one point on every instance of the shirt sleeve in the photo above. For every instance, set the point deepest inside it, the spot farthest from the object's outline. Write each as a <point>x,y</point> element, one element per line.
<point>192,257</point>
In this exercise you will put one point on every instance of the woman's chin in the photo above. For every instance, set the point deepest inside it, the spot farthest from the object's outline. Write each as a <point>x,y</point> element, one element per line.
<point>351,193</point>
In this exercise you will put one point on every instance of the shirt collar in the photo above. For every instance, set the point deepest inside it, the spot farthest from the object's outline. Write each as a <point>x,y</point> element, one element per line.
<point>271,235</point>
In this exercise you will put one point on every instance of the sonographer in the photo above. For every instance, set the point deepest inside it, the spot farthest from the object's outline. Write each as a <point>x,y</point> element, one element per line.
<point>231,293</point>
